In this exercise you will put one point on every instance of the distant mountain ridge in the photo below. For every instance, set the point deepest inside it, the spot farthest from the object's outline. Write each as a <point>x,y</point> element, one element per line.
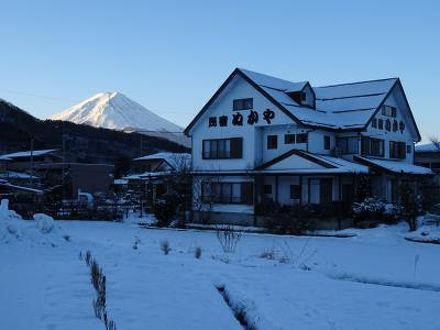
<point>114,110</point>
<point>82,143</point>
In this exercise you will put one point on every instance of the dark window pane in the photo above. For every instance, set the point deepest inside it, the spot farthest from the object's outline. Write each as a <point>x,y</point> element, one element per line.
<point>289,138</point>
<point>267,189</point>
<point>243,104</point>
<point>327,142</point>
<point>272,141</point>
<point>301,138</point>
<point>295,191</point>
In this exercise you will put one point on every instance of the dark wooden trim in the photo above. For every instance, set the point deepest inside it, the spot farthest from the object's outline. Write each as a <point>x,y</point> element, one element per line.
<point>308,190</point>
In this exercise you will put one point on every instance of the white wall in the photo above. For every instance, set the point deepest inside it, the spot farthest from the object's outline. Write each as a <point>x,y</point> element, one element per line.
<point>394,99</point>
<point>253,140</point>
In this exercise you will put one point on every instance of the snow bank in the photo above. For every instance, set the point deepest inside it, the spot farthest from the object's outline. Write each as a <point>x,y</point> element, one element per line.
<point>42,230</point>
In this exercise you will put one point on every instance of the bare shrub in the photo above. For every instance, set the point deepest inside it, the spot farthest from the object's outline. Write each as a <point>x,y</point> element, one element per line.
<point>88,258</point>
<point>95,274</point>
<point>198,252</point>
<point>165,247</point>
<point>228,238</point>
<point>137,241</point>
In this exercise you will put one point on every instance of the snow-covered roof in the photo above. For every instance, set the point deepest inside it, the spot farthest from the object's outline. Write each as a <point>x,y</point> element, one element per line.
<point>175,160</point>
<point>344,106</point>
<point>325,164</point>
<point>16,187</point>
<point>395,166</point>
<point>27,153</point>
<point>146,175</point>
<point>17,175</point>
<point>347,106</point>
<point>120,182</point>
<point>428,147</point>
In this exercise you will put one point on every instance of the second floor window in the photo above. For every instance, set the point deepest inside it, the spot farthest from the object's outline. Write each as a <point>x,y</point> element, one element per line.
<point>295,138</point>
<point>222,148</point>
<point>243,104</point>
<point>397,150</point>
<point>348,145</point>
<point>326,142</point>
<point>272,141</point>
<point>372,147</point>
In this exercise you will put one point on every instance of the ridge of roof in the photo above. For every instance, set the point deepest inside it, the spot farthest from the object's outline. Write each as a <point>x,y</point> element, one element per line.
<point>358,82</point>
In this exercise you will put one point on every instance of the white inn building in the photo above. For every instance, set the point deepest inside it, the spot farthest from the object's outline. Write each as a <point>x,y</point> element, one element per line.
<point>262,140</point>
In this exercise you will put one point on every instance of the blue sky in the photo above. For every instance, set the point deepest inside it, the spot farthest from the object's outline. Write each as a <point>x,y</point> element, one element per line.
<point>171,56</point>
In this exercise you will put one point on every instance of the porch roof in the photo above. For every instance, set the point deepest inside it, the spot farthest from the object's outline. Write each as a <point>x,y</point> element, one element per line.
<point>311,164</point>
<point>394,167</point>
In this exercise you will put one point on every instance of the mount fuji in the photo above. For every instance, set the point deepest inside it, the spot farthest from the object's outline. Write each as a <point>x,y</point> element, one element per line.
<point>116,111</point>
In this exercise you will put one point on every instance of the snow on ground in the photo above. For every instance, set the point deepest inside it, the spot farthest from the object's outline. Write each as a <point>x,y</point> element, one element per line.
<point>376,279</point>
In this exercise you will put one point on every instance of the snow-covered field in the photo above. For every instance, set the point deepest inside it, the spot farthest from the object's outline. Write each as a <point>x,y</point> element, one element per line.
<point>376,279</point>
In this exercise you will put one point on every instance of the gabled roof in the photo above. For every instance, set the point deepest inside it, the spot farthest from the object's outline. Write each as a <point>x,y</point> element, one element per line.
<point>348,106</point>
<point>328,164</point>
<point>174,160</point>
<point>392,167</point>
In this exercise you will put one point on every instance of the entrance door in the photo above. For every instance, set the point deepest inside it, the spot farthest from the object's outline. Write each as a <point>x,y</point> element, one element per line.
<point>325,191</point>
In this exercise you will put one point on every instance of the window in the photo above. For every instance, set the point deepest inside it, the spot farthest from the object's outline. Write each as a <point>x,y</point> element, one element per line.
<point>243,104</point>
<point>408,148</point>
<point>267,189</point>
<point>295,138</point>
<point>289,138</point>
<point>348,145</point>
<point>397,150</point>
<point>272,141</point>
<point>389,111</point>
<point>380,123</point>
<point>295,191</point>
<point>374,123</point>
<point>372,147</point>
<point>326,142</point>
<point>222,148</point>
<point>227,192</point>
<point>301,138</point>
<point>388,125</point>
<point>298,97</point>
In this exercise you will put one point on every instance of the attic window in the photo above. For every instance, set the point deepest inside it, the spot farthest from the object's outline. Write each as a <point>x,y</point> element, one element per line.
<point>298,97</point>
<point>389,111</point>
<point>243,104</point>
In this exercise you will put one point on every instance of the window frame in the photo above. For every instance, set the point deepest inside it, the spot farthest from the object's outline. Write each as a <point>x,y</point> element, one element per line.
<point>226,192</point>
<point>290,135</point>
<point>272,142</point>
<point>293,193</point>
<point>234,151</point>
<point>344,146</point>
<point>327,142</point>
<point>370,142</point>
<point>246,103</point>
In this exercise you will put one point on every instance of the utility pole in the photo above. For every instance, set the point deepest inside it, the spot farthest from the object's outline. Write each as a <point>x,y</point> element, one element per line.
<point>32,162</point>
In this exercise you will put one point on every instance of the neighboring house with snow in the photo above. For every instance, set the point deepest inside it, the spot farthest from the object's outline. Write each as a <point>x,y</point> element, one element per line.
<point>261,138</point>
<point>428,155</point>
<point>150,174</point>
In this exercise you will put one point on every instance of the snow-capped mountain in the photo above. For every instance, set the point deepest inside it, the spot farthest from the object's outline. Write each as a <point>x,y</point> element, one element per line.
<point>114,110</point>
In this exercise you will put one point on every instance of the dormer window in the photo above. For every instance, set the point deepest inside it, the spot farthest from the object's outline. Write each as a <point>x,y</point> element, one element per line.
<point>299,97</point>
<point>243,104</point>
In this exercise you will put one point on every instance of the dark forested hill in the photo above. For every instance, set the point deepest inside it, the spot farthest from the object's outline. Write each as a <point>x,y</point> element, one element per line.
<point>82,143</point>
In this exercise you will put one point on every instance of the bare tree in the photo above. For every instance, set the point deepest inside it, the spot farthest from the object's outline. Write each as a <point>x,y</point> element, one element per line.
<point>435,141</point>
